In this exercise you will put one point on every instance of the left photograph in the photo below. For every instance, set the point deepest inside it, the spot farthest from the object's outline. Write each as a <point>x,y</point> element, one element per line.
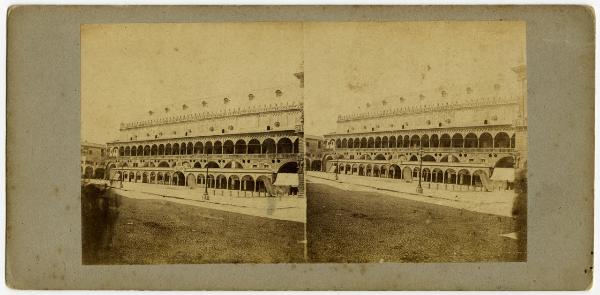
<point>192,143</point>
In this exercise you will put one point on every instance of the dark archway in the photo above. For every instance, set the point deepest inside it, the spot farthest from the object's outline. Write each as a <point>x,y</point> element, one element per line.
<point>457,140</point>
<point>485,140</point>
<point>289,167</point>
<point>198,148</point>
<point>247,183</point>
<point>392,142</point>
<point>240,147</point>
<point>254,146</point>
<point>208,148</point>
<point>228,147</point>
<point>377,142</point>
<point>99,173</point>
<point>471,141</point>
<point>178,178</point>
<point>506,162</point>
<point>502,140</point>
<point>211,164</point>
<point>315,165</point>
<point>434,141</point>
<point>445,141</point>
<point>268,146</point>
<point>425,141</point>
<point>88,172</point>
<point>415,141</point>
<point>218,148</point>
<point>428,158</point>
<point>285,146</point>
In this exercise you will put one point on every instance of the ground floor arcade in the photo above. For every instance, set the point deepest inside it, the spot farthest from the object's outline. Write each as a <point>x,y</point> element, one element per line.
<point>458,175</point>
<point>243,180</point>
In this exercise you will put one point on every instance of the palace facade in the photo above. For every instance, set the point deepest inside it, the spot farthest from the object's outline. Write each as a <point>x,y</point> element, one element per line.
<point>477,142</point>
<point>316,147</point>
<point>246,142</point>
<point>93,160</point>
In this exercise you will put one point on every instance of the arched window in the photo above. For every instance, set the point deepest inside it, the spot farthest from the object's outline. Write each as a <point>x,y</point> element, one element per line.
<point>445,140</point>
<point>228,147</point>
<point>285,146</point>
<point>254,146</point>
<point>218,147</point>
<point>198,148</point>
<point>434,141</point>
<point>502,140</point>
<point>457,140</point>
<point>471,141</point>
<point>371,143</point>
<point>425,141</point>
<point>268,146</point>
<point>240,147</point>
<point>485,140</point>
<point>415,141</point>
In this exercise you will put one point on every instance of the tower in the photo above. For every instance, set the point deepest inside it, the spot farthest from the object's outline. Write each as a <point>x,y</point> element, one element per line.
<point>521,121</point>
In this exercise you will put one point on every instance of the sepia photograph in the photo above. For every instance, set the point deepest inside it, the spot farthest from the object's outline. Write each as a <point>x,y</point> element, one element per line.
<point>266,148</point>
<point>192,143</point>
<point>416,141</point>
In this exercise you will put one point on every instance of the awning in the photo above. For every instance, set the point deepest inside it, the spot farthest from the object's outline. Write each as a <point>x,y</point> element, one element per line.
<point>286,179</point>
<point>332,169</point>
<point>504,174</point>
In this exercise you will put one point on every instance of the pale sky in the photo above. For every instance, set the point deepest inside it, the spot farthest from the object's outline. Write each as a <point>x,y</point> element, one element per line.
<point>129,69</point>
<point>348,65</point>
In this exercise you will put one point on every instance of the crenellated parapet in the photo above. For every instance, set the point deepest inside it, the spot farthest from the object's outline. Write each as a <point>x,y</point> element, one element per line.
<point>250,110</point>
<point>439,107</point>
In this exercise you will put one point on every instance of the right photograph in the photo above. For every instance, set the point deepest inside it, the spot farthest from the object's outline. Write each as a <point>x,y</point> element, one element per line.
<point>416,141</point>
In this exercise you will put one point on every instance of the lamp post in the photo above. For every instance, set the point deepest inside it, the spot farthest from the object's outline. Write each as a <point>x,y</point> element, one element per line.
<point>419,188</point>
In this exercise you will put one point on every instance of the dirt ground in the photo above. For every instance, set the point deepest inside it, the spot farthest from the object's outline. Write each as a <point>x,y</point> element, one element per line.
<point>372,227</point>
<point>120,230</point>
